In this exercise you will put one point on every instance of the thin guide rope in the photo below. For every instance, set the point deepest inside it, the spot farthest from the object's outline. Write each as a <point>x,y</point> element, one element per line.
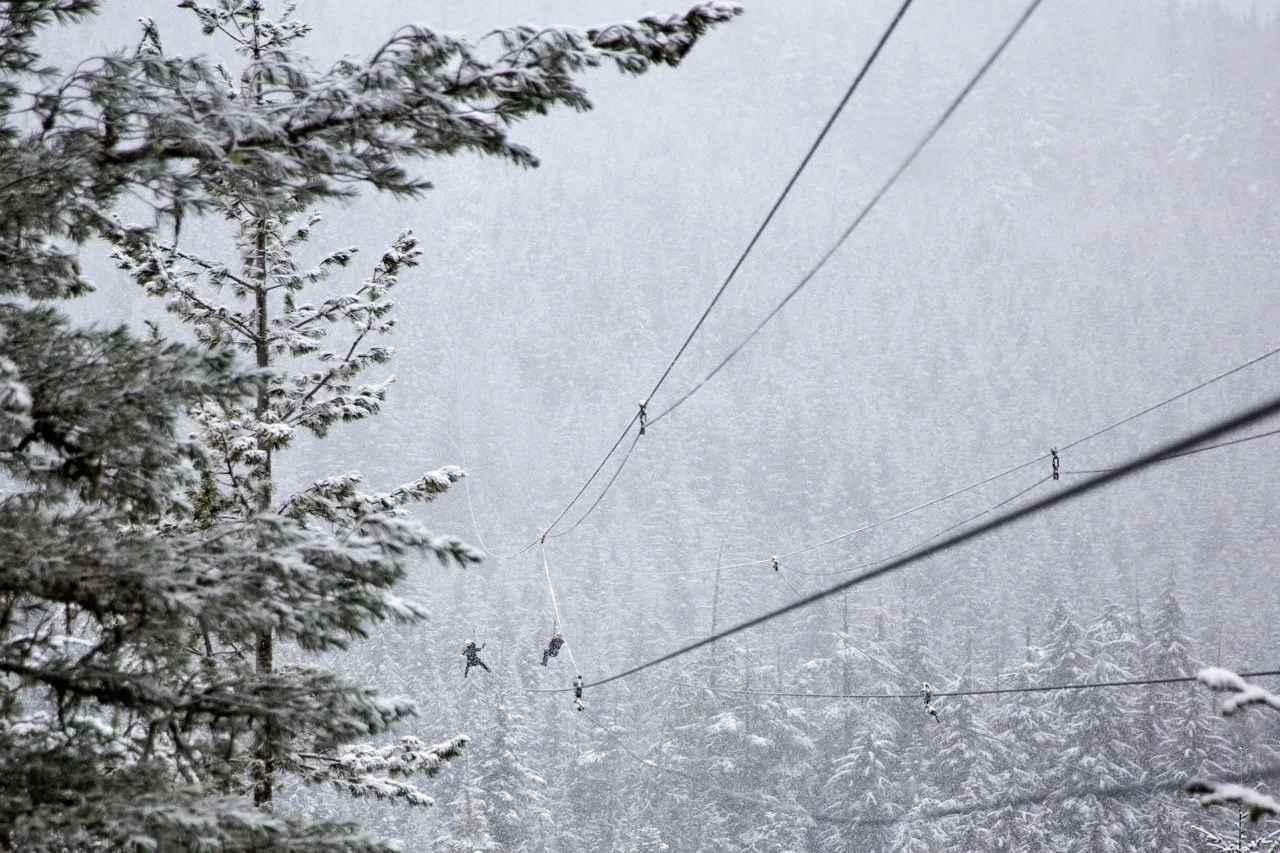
<point>475,525</point>
<point>1172,456</point>
<point>999,691</point>
<point>929,539</point>
<point>1249,416</point>
<point>1015,469</point>
<point>555,607</point>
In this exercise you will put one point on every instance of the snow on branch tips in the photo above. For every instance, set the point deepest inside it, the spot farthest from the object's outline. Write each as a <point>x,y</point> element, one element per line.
<point>1227,794</point>
<point>155,566</point>
<point>422,93</point>
<point>1242,693</point>
<point>660,40</point>
<point>377,771</point>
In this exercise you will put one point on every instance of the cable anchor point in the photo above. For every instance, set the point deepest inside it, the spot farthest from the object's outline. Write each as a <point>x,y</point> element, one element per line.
<point>644,416</point>
<point>1053,454</point>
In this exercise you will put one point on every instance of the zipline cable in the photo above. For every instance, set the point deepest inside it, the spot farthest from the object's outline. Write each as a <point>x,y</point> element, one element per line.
<point>603,492</point>
<point>911,157</point>
<point>866,66</point>
<point>893,179</point>
<point>1041,458</point>
<point>1037,484</point>
<point>591,479</point>
<point>937,694</point>
<point>1217,446</point>
<point>1267,409</point>
<point>729,278</point>
<point>541,537</point>
<point>1250,363</point>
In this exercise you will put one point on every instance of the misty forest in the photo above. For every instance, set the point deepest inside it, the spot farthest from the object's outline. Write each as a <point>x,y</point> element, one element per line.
<point>574,425</point>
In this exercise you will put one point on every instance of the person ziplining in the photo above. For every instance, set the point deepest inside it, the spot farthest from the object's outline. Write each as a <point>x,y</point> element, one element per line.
<point>472,652</point>
<point>553,647</point>
<point>926,693</point>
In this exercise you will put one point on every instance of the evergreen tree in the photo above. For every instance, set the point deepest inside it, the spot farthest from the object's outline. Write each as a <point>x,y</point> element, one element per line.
<point>140,594</point>
<point>864,784</point>
<point>516,808</point>
<point>1186,740</point>
<point>471,831</point>
<point>1109,729</point>
<point>971,768</point>
<point>1033,733</point>
<point>307,384</point>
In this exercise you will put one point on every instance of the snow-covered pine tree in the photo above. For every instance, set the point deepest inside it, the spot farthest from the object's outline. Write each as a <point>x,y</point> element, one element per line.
<point>313,358</point>
<point>865,783</point>
<point>971,769</point>
<point>94,696</point>
<point>504,801</point>
<point>1031,728</point>
<point>113,734</point>
<point>1103,723</point>
<point>1186,739</point>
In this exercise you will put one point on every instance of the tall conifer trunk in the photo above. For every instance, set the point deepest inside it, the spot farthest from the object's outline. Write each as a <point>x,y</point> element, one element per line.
<point>264,768</point>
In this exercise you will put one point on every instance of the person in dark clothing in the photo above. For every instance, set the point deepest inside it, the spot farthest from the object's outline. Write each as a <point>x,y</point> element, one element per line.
<point>553,648</point>
<point>926,693</point>
<point>578,686</point>
<point>472,651</point>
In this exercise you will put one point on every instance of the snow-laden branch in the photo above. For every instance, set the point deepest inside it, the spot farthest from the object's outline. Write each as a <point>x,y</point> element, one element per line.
<point>1242,693</point>
<point>380,772</point>
<point>282,124</point>
<point>1227,794</point>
